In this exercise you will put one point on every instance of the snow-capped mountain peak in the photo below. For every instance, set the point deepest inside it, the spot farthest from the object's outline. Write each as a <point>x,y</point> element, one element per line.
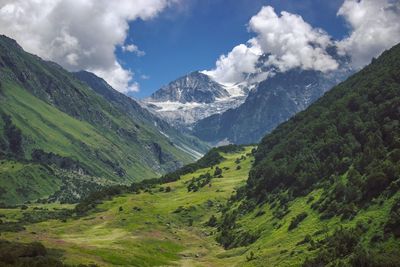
<point>194,87</point>
<point>193,97</point>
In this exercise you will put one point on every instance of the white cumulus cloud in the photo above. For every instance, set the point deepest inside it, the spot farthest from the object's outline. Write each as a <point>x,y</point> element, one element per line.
<point>289,41</point>
<point>232,68</point>
<point>79,34</point>
<point>374,25</point>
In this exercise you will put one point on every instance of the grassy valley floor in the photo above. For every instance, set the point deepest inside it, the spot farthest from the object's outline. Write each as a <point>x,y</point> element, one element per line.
<point>166,226</point>
<point>147,229</point>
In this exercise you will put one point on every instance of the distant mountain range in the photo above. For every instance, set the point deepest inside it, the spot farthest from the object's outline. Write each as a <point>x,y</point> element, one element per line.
<point>272,102</point>
<point>244,112</point>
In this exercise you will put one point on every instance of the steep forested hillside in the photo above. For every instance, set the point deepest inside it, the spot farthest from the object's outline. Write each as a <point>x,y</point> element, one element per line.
<point>54,129</point>
<point>337,163</point>
<point>353,129</point>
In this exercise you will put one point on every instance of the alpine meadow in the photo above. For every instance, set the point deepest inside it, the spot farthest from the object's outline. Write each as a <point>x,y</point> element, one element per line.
<point>200,133</point>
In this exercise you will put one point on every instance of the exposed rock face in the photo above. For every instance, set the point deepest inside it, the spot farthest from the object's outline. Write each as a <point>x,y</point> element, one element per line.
<point>194,87</point>
<point>193,97</point>
<point>272,102</point>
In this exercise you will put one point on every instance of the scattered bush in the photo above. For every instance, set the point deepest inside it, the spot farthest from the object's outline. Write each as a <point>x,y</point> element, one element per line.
<point>196,183</point>
<point>250,256</point>
<point>340,244</point>
<point>307,239</point>
<point>217,172</point>
<point>208,160</point>
<point>260,213</point>
<point>281,212</point>
<point>212,222</point>
<point>296,220</point>
<point>137,208</point>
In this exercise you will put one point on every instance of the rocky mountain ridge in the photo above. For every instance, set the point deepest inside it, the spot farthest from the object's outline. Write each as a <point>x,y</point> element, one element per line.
<point>193,97</point>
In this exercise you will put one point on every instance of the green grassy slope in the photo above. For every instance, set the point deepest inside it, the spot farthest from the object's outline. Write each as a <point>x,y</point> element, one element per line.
<point>21,182</point>
<point>47,128</point>
<point>278,246</point>
<point>57,113</point>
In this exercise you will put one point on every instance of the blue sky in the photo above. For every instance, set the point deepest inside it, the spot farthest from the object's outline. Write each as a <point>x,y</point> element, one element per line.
<point>193,36</point>
<point>181,36</point>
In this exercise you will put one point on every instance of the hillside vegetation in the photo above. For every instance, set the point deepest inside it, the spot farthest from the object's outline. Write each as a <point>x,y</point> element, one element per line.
<point>320,190</point>
<point>161,224</point>
<point>49,117</point>
<point>330,176</point>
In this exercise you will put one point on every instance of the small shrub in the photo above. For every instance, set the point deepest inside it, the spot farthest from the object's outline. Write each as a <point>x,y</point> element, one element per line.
<point>137,208</point>
<point>310,199</point>
<point>212,222</point>
<point>196,183</point>
<point>218,171</point>
<point>250,256</point>
<point>179,209</point>
<point>307,239</point>
<point>260,213</point>
<point>296,220</point>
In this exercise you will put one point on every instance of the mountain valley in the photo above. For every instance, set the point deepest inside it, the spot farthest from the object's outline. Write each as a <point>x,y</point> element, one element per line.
<point>277,145</point>
<point>321,190</point>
